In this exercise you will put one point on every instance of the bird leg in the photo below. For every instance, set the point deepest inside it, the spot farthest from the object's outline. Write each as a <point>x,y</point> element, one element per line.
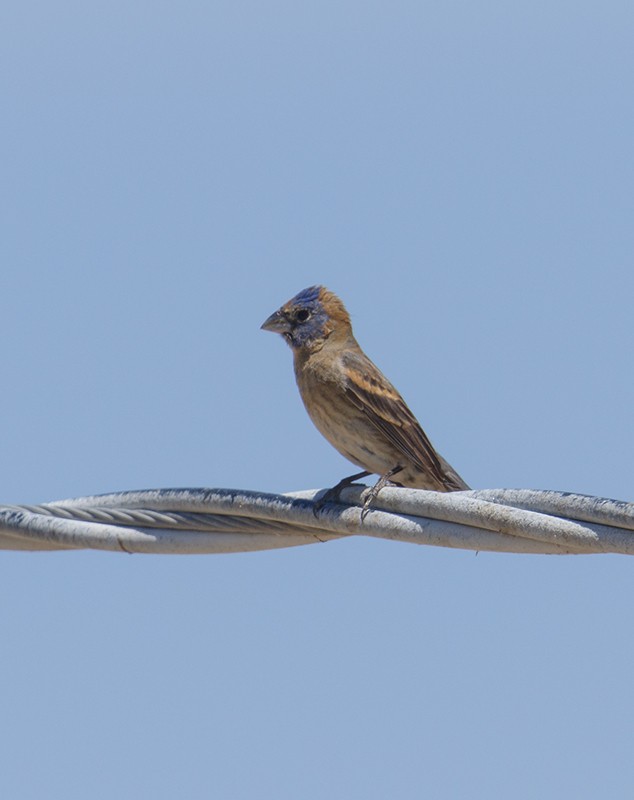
<point>332,495</point>
<point>382,481</point>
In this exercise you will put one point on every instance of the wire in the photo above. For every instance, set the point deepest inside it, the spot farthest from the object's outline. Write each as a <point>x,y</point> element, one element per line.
<point>190,521</point>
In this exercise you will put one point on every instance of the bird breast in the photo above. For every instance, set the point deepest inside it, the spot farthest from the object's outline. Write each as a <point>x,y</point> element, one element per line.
<point>321,383</point>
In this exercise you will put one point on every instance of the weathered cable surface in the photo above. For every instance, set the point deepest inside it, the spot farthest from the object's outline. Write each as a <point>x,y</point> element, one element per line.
<point>190,521</point>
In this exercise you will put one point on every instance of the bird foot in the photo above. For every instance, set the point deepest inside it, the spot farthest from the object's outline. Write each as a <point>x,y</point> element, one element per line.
<point>371,496</point>
<point>332,495</point>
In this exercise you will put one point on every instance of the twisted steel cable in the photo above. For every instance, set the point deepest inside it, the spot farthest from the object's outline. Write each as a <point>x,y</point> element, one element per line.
<point>190,521</point>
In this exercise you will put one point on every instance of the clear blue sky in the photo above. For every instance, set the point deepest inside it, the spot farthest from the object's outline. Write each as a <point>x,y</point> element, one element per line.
<point>461,174</point>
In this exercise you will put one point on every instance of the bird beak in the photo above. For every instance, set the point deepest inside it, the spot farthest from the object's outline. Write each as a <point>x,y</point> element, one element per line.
<point>277,323</point>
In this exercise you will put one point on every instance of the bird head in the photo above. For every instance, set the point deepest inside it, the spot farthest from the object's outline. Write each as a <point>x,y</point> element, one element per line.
<point>310,318</point>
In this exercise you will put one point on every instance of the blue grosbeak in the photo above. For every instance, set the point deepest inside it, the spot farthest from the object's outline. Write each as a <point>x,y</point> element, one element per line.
<point>352,403</point>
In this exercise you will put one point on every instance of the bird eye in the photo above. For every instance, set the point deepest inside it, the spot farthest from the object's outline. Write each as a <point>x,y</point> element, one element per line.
<point>302,315</point>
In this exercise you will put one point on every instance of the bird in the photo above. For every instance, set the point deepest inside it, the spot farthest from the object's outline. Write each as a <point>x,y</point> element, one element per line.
<point>352,404</point>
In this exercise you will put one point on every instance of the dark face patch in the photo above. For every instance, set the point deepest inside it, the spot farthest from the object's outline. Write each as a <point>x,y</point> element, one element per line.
<point>306,316</point>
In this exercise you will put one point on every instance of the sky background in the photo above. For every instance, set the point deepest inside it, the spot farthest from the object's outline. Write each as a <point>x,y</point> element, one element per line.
<point>461,173</point>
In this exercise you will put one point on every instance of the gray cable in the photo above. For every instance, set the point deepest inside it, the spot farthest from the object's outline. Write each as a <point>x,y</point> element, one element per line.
<point>189,521</point>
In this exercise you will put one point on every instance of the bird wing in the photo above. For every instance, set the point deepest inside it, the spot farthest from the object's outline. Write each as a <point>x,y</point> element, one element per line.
<point>371,392</point>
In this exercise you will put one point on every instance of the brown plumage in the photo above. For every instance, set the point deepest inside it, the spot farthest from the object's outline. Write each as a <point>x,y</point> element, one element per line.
<point>351,402</point>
